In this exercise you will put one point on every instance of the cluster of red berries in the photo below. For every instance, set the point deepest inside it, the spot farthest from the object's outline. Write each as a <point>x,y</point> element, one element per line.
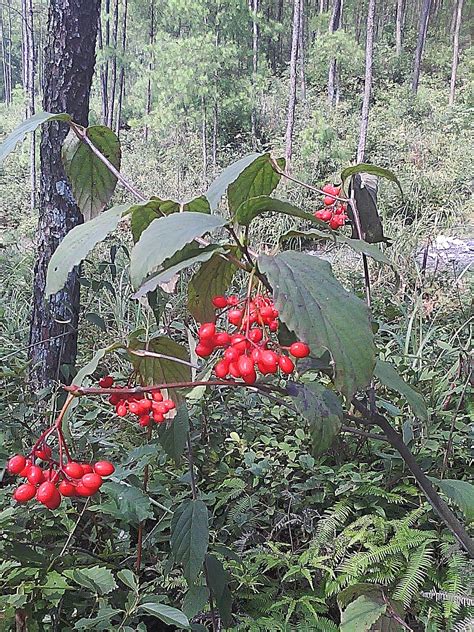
<point>333,212</point>
<point>251,347</point>
<point>48,484</point>
<point>148,407</point>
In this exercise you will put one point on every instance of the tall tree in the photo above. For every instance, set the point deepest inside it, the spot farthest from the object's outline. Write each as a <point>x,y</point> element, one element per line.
<point>103,38</point>
<point>301,54</point>
<point>30,87</point>
<point>369,58</point>
<point>69,65</point>
<point>122,67</point>
<point>113,75</point>
<point>454,67</point>
<point>253,4</point>
<point>151,41</point>
<point>420,44</point>
<point>334,24</point>
<point>290,120</point>
<point>399,26</point>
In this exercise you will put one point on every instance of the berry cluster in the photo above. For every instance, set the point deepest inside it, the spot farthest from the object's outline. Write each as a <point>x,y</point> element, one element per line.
<point>251,347</point>
<point>333,212</point>
<point>148,407</point>
<point>48,484</point>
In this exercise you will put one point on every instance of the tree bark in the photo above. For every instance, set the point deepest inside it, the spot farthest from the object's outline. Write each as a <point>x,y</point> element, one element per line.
<point>103,67</point>
<point>254,70</point>
<point>422,30</point>
<point>290,120</point>
<point>113,77</point>
<point>369,56</point>
<point>151,41</point>
<point>334,25</point>
<point>204,140</point>
<point>69,66</point>
<point>9,52</point>
<point>301,54</point>
<point>399,27</point>
<point>122,68</point>
<point>454,68</point>
<point>4,57</point>
<point>31,96</point>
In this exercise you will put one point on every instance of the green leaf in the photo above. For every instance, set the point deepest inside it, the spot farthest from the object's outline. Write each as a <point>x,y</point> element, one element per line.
<point>258,179</point>
<point>141,216</point>
<point>321,408</point>
<point>164,237</point>
<point>173,435</point>
<point>188,256</point>
<point>251,208</point>
<point>230,173</point>
<point>153,370</point>
<point>358,245</point>
<point>129,579</point>
<point>388,376</point>
<point>460,492</point>
<point>92,182</point>
<point>167,614</point>
<point>190,537</point>
<point>219,584</point>
<point>374,170</point>
<point>195,600</point>
<point>125,502</point>
<point>212,279</point>
<point>101,622</point>
<point>97,579</point>
<point>77,244</point>
<point>323,314</point>
<point>18,135</point>
<point>364,186</point>
<point>361,614</point>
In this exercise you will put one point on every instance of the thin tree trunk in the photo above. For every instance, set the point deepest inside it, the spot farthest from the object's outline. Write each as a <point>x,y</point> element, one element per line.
<point>31,97</point>
<point>204,140</point>
<point>280,37</point>
<point>113,77</point>
<point>4,58</point>
<point>151,40</point>
<point>369,53</point>
<point>215,131</point>
<point>9,52</point>
<point>103,72</point>
<point>301,54</point>
<point>334,25</point>
<point>422,30</point>
<point>105,81</point>
<point>399,27</point>
<point>290,121</point>
<point>69,66</point>
<point>122,68</point>
<point>254,70</point>
<point>454,68</point>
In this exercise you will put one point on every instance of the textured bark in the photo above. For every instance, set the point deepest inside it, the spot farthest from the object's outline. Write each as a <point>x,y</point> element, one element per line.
<point>204,139</point>
<point>290,120</point>
<point>420,45</point>
<point>9,51</point>
<point>113,73</point>
<point>103,40</point>
<point>122,68</point>
<point>254,8</point>
<point>334,25</point>
<point>151,40</point>
<point>69,65</point>
<point>301,54</point>
<point>399,26</point>
<point>30,86</point>
<point>454,67</point>
<point>4,58</point>
<point>369,56</point>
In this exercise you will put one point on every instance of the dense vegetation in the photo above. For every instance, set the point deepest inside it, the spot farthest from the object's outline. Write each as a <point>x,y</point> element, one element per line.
<point>299,529</point>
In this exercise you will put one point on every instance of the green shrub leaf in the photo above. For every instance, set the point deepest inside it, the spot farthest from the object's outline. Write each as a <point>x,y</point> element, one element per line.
<point>219,584</point>
<point>257,179</point>
<point>173,435</point>
<point>374,170</point>
<point>230,173</point>
<point>156,370</point>
<point>460,492</point>
<point>361,614</point>
<point>167,614</point>
<point>251,208</point>
<point>125,502</point>
<point>212,279</point>
<point>97,579</point>
<point>388,376</point>
<point>190,537</point>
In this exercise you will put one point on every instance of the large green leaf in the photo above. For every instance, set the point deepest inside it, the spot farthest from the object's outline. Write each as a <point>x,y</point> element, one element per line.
<point>92,182</point>
<point>173,435</point>
<point>358,245</point>
<point>460,492</point>
<point>77,244</point>
<point>374,170</point>
<point>102,621</point>
<point>251,208</point>
<point>97,579</point>
<point>323,314</point>
<point>141,216</point>
<point>125,502</point>
<point>167,614</point>
<point>321,408</point>
<point>190,537</point>
<point>19,133</point>
<point>388,376</point>
<point>195,600</point>
<point>361,614</point>
<point>164,237</point>
<point>364,190</point>
<point>212,279</point>
<point>230,173</point>
<point>153,370</point>
<point>219,584</point>
<point>188,256</point>
<point>257,179</point>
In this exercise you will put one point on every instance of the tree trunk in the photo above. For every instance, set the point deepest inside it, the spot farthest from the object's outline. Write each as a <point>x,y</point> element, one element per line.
<point>422,30</point>
<point>4,57</point>
<point>215,131</point>
<point>204,140</point>
<point>24,55</point>
<point>334,25</point>
<point>254,70</point>
<point>301,54</point>
<point>454,69</point>
<point>369,53</point>
<point>399,27</point>
<point>290,121</point>
<point>9,52</point>
<point>103,70</point>
<point>122,68</point>
<point>113,77</point>
<point>151,40</point>
<point>31,96</point>
<point>69,66</point>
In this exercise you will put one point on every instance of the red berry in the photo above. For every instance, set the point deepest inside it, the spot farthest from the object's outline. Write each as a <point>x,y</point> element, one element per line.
<point>145,406</point>
<point>16,464</point>
<point>134,408</point>
<point>337,221</point>
<point>24,493</point>
<point>26,468</point>
<point>51,475</point>
<point>158,417</point>
<point>234,369</point>
<point>160,408</point>
<point>256,334</point>
<point>269,358</point>
<point>170,405</point>
<point>35,475</point>
<point>273,325</point>
<point>266,312</point>
<point>231,354</point>
<point>94,481</point>
<point>144,421</point>
<point>328,201</point>
<point>219,302</point>
<point>87,468</point>
<point>115,399</point>
<point>74,470</point>
<point>54,501</point>
<point>106,381</point>
<point>44,453</point>
<point>46,492</point>
<point>234,316</point>
<point>255,355</point>
<point>233,300</point>
<point>250,378</point>
<point>286,365</point>
<point>104,468</point>
<point>121,410</point>
<point>299,350</point>
<point>222,339</point>
<point>206,332</point>
<point>245,366</point>
<point>319,214</point>
<point>157,396</point>
<point>221,369</point>
<point>82,490</point>
<point>203,351</point>
<point>66,488</point>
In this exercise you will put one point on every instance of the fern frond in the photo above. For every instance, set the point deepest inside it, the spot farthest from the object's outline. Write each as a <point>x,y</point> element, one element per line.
<point>418,564</point>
